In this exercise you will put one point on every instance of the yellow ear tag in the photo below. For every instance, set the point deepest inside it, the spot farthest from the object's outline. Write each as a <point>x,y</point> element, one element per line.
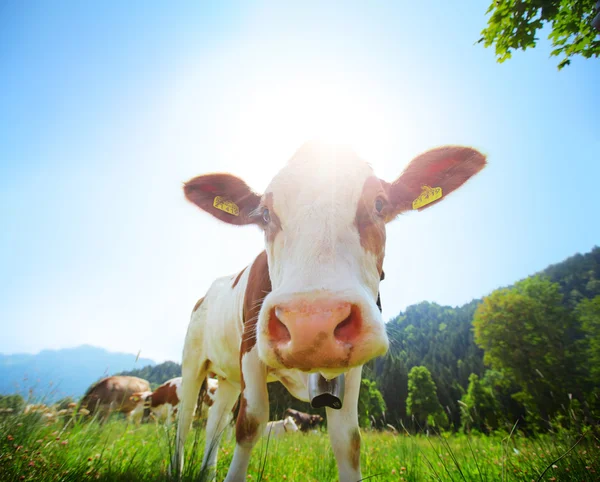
<point>427,196</point>
<point>227,206</point>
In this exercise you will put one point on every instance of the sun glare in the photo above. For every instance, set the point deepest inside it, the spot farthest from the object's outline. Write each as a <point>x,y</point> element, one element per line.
<point>290,114</point>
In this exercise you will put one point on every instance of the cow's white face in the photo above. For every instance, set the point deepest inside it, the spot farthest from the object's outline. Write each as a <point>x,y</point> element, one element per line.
<point>324,218</point>
<point>322,312</point>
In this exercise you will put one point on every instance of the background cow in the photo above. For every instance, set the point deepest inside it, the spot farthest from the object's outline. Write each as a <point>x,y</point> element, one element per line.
<point>308,302</point>
<point>279,427</point>
<point>113,393</point>
<point>162,403</point>
<point>304,421</point>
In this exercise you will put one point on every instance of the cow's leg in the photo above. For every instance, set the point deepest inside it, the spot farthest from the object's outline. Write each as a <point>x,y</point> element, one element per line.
<point>135,416</point>
<point>169,415</point>
<point>253,415</point>
<point>193,372</point>
<point>218,418</point>
<point>343,430</point>
<point>105,413</point>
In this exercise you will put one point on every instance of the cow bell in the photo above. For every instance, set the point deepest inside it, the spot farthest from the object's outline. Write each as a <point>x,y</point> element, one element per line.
<point>326,393</point>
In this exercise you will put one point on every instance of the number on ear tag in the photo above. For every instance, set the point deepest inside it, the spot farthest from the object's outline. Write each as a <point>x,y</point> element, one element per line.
<point>228,206</point>
<point>427,196</point>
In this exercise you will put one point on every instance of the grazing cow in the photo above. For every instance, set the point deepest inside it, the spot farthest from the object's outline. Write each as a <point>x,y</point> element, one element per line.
<point>308,302</point>
<point>162,403</point>
<point>113,393</point>
<point>207,396</point>
<point>141,405</point>
<point>275,429</point>
<point>305,421</point>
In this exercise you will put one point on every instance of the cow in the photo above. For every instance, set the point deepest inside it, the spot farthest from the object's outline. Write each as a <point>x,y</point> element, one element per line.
<point>142,405</point>
<point>113,393</point>
<point>162,403</point>
<point>278,428</point>
<point>308,302</point>
<point>207,396</point>
<point>304,421</point>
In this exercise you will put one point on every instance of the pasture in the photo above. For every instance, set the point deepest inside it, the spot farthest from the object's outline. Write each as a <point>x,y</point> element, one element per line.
<point>71,450</point>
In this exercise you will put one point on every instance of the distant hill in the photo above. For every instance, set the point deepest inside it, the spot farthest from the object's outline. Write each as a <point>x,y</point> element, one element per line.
<point>578,276</point>
<point>54,374</point>
<point>156,374</point>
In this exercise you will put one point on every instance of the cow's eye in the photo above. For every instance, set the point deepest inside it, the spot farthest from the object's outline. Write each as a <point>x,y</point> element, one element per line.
<point>379,205</point>
<point>266,216</point>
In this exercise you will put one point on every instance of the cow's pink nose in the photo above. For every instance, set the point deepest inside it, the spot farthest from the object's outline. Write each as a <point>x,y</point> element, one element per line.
<point>314,324</point>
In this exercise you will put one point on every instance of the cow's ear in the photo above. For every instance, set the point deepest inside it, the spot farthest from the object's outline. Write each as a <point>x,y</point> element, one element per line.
<point>431,176</point>
<point>226,197</point>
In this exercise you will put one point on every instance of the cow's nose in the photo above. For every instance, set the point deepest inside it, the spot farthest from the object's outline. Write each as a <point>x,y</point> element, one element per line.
<point>314,324</point>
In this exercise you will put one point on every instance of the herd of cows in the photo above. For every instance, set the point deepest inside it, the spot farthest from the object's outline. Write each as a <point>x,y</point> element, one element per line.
<point>308,304</point>
<point>132,397</point>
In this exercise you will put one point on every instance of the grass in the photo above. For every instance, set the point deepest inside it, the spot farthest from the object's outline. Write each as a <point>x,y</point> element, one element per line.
<point>71,450</point>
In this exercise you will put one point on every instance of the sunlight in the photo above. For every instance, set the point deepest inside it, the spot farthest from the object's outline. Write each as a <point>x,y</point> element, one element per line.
<point>292,113</point>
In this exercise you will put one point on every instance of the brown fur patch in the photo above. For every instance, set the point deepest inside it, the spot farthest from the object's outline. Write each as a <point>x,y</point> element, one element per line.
<point>370,223</point>
<point>259,286</point>
<point>208,398</point>
<point>115,391</point>
<point>355,448</point>
<point>166,393</point>
<point>197,305</point>
<point>246,427</point>
<point>237,278</point>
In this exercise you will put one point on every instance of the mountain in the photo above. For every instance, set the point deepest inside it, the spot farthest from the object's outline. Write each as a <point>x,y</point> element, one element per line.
<point>156,374</point>
<point>54,374</point>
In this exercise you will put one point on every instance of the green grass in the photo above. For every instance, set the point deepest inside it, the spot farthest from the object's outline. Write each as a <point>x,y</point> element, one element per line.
<point>70,450</point>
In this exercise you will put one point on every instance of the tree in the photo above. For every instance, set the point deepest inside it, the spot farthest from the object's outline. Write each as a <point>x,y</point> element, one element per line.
<point>439,338</point>
<point>394,387</point>
<point>370,404</point>
<point>478,407</point>
<point>527,333</point>
<point>513,25</point>
<point>422,402</point>
<point>157,374</point>
<point>588,312</point>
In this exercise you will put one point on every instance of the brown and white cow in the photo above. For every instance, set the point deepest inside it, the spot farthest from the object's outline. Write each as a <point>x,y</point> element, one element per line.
<point>308,302</point>
<point>304,421</point>
<point>162,403</point>
<point>113,393</point>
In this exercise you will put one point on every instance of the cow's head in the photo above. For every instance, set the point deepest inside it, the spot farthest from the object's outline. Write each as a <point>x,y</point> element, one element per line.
<point>289,424</point>
<point>315,420</point>
<point>138,397</point>
<point>323,217</point>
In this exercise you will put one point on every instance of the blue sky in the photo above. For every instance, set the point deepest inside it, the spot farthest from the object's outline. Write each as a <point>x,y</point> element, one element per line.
<point>107,107</point>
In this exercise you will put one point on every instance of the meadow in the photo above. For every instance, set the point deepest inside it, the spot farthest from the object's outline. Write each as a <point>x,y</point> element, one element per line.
<point>73,450</point>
